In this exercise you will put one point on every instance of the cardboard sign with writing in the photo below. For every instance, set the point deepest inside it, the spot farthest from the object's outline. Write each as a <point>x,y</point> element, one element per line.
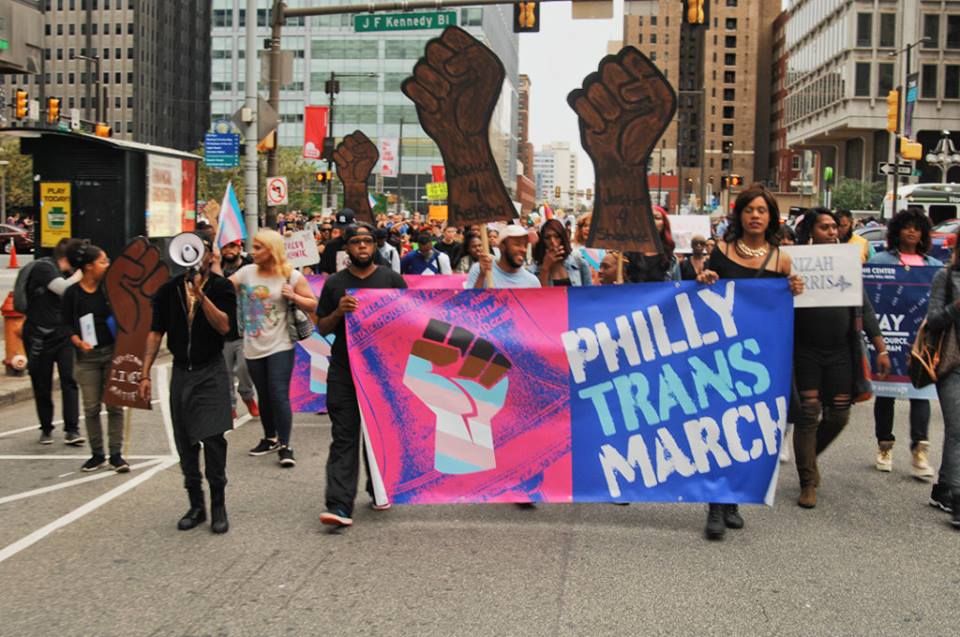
<point>301,249</point>
<point>832,275</point>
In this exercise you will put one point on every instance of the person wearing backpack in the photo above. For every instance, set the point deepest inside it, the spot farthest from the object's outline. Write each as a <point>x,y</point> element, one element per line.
<point>46,338</point>
<point>425,260</point>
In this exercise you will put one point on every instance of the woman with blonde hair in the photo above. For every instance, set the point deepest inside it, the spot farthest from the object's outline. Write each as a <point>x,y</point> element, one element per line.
<point>267,290</point>
<point>593,256</point>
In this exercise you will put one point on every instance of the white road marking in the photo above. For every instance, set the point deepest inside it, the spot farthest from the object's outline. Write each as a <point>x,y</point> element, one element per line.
<point>56,423</point>
<point>76,457</point>
<point>12,549</point>
<point>68,473</point>
<point>100,475</point>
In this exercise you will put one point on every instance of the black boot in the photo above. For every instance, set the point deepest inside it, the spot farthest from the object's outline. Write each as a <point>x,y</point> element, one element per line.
<point>716,527</point>
<point>731,516</point>
<point>218,512</point>
<point>197,513</point>
<point>955,515</point>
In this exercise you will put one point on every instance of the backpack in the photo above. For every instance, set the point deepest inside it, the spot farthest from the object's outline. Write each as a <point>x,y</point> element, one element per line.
<point>21,294</point>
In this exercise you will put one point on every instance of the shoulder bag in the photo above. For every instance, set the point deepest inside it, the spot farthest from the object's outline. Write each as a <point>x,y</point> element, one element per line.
<point>299,325</point>
<point>933,356</point>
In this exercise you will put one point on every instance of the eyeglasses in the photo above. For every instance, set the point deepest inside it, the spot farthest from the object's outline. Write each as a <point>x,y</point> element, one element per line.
<point>698,243</point>
<point>358,241</point>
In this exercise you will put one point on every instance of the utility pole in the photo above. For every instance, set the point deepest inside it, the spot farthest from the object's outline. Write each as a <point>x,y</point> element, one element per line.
<point>252,74</point>
<point>901,120</point>
<point>276,27</point>
<point>400,169</point>
<point>332,88</point>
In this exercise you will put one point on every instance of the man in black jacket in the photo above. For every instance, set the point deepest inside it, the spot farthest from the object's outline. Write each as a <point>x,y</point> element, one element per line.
<point>196,314</point>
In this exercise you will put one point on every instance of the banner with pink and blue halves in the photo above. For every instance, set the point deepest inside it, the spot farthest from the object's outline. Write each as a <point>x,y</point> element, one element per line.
<point>659,392</point>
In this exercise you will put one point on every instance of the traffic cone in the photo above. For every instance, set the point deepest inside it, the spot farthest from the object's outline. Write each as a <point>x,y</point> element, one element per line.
<point>13,256</point>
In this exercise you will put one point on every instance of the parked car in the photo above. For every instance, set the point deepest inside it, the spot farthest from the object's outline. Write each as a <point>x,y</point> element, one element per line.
<point>21,238</point>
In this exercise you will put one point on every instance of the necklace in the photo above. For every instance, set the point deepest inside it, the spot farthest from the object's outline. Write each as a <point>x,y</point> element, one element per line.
<point>748,252</point>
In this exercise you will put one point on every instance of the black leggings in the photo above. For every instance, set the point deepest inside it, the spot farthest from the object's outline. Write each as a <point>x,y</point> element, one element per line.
<point>919,419</point>
<point>824,380</point>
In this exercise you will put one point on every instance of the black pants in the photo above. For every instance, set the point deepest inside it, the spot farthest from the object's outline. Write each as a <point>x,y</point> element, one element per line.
<point>919,419</point>
<point>343,463</point>
<point>40,366</point>
<point>214,461</point>
<point>829,373</point>
<point>200,411</point>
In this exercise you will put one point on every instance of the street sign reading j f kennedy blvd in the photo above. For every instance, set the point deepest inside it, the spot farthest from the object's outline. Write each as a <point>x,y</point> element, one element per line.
<point>404,21</point>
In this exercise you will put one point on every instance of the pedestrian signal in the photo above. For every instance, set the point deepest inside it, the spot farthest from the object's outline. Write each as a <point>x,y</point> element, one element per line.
<point>324,176</point>
<point>526,17</point>
<point>53,110</point>
<point>735,180</point>
<point>893,111</point>
<point>20,104</point>
<point>696,12</point>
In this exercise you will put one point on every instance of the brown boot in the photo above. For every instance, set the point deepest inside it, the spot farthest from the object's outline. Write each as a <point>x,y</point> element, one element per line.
<point>808,497</point>
<point>885,455</point>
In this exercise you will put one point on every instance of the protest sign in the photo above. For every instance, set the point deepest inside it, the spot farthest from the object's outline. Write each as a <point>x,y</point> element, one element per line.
<point>684,227</point>
<point>435,282</point>
<point>678,392</point>
<point>301,249</point>
<point>832,275</point>
<point>899,295</point>
<point>308,383</point>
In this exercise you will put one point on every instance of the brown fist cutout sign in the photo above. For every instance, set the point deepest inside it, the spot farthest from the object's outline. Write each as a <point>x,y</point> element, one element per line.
<point>455,86</point>
<point>355,157</point>
<point>623,109</point>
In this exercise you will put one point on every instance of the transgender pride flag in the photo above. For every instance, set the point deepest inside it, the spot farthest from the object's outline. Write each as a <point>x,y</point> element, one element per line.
<point>231,223</point>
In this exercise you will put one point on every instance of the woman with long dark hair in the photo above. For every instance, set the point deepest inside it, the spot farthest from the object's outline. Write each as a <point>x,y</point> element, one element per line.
<point>554,262</point>
<point>749,250</point>
<point>472,250</point>
<point>908,242</point>
<point>87,313</point>
<point>827,356</point>
<point>663,266</point>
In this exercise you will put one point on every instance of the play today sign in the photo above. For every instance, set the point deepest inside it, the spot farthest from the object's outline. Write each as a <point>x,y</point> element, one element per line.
<point>404,21</point>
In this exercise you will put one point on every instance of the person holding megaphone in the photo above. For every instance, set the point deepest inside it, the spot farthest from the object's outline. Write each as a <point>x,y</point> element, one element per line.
<point>195,310</point>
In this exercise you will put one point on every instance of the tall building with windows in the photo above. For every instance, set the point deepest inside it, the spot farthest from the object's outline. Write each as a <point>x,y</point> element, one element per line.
<point>152,62</point>
<point>556,164</point>
<point>375,105</point>
<point>844,58</point>
<point>721,75</point>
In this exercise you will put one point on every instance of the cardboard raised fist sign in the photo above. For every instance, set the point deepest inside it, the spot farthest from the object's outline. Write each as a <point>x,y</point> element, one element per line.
<point>355,157</point>
<point>455,86</point>
<point>623,108</point>
<point>131,282</point>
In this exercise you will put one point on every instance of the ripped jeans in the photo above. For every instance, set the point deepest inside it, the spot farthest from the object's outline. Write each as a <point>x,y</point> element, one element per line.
<point>824,381</point>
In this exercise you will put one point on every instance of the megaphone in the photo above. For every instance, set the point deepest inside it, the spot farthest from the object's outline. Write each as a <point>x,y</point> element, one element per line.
<point>186,250</point>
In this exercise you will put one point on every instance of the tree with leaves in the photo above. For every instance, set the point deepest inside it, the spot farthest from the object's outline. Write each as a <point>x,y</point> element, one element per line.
<point>854,194</point>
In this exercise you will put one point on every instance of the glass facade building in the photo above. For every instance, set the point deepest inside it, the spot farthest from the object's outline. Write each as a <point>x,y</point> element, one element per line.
<point>375,105</point>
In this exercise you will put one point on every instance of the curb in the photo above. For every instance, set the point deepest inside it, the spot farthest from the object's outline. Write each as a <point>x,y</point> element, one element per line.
<point>8,398</point>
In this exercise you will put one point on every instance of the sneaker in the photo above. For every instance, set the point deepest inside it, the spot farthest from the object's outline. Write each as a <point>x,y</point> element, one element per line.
<point>337,517</point>
<point>380,507</point>
<point>885,456</point>
<point>940,498</point>
<point>73,438</point>
<point>716,526</point>
<point>46,438</point>
<point>266,446</point>
<point>286,457</point>
<point>252,407</point>
<point>95,462</point>
<point>118,463</point>
<point>920,466</point>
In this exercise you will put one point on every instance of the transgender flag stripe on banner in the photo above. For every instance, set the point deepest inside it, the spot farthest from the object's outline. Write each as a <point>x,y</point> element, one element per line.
<point>662,392</point>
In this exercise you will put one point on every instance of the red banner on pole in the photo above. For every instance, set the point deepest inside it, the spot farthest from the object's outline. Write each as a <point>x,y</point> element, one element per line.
<point>314,130</point>
<point>439,173</point>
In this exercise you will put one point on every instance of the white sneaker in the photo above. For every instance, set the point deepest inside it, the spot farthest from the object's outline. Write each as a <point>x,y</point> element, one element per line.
<point>920,467</point>
<point>785,447</point>
<point>885,457</point>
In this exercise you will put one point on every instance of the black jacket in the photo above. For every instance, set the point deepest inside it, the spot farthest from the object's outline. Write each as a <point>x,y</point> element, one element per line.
<point>196,346</point>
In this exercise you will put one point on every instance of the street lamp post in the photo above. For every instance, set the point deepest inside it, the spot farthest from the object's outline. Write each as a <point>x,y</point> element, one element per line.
<point>944,156</point>
<point>101,99</point>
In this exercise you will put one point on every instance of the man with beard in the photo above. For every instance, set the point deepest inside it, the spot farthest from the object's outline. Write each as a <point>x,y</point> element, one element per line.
<point>387,250</point>
<point>196,315</point>
<point>508,270</point>
<point>232,259</point>
<point>343,463</point>
<point>847,235</point>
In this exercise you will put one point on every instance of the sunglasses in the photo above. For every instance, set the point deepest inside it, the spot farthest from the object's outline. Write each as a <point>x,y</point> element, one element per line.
<point>358,241</point>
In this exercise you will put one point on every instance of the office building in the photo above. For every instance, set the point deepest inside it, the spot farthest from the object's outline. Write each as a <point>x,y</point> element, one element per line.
<point>372,103</point>
<point>556,164</point>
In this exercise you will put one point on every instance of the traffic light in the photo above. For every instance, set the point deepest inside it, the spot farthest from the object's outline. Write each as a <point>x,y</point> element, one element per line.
<point>526,17</point>
<point>735,180</point>
<point>103,130</point>
<point>893,111</point>
<point>696,12</point>
<point>324,176</point>
<point>910,149</point>
<point>20,104</point>
<point>556,192</point>
<point>53,110</point>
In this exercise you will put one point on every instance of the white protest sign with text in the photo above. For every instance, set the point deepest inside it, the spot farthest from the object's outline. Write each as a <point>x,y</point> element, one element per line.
<point>684,227</point>
<point>832,275</point>
<point>301,249</point>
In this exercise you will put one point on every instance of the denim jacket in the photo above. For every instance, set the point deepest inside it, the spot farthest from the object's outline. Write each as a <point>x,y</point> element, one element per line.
<point>939,312</point>
<point>892,257</point>
<point>576,267</point>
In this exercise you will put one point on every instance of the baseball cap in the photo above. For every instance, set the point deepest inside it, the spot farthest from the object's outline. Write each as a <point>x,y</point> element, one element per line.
<point>514,231</point>
<point>361,228</point>
<point>344,218</point>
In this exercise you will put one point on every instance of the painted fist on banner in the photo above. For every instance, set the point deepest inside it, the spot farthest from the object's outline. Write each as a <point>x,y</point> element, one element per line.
<point>131,282</point>
<point>355,157</point>
<point>624,108</point>
<point>464,381</point>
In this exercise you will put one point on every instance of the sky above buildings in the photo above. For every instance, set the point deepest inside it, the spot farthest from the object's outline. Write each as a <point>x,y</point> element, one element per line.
<point>557,59</point>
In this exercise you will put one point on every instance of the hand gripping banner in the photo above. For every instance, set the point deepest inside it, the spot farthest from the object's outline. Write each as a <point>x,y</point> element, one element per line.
<point>660,392</point>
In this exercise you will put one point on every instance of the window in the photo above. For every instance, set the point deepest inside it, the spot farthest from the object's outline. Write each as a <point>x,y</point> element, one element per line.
<point>731,3</point>
<point>729,77</point>
<point>728,130</point>
<point>928,80</point>
<point>117,78</point>
<point>931,31</point>
<point>653,56</point>
<point>222,17</point>
<point>885,79</point>
<point>953,31</point>
<point>728,112</point>
<point>731,24</point>
<point>888,29</point>
<point>730,41</point>
<point>730,59</point>
<point>951,82</point>
<point>653,20</point>
<point>640,39</point>
<point>861,86</point>
<point>865,29</point>
<point>653,38</point>
<point>724,164</point>
<point>729,94</point>
<point>117,54</point>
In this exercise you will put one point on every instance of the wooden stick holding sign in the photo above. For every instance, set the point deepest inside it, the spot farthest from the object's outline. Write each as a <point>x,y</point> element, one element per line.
<point>456,85</point>
<point>619,268</point>
<point>624,108</point>
<point>355,157</point>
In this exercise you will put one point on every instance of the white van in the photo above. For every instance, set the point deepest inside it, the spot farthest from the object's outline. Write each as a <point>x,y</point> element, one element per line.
<point>938,201</point>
